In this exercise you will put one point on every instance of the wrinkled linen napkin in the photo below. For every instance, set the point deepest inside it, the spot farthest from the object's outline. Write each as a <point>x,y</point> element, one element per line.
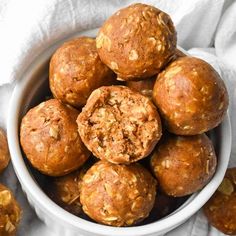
<point>206,28</point>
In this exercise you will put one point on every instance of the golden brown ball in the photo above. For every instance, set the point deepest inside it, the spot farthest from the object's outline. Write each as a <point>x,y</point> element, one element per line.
<point>65,191</point>
<point>50,139</point>
<point>191,96</point>
<point>119,125</point>
<point>76,70</point>
<point>4,151</point>
<point>10,212</point>
<point>220,210</point>
<point>137,41</point>
<point>118,195</point>
<point>183,164</point>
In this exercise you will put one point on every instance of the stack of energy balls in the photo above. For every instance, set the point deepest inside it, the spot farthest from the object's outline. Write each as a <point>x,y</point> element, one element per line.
<point>127,95</point>
<point>10,211</point>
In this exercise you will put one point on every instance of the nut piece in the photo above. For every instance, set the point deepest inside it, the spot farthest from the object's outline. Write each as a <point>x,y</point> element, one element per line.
<point>10,212</point>
<point>50,139</point>
<point>76,70</point>
<point>65,191</point>
<point>191,96</point>
<point>220,210</point>
<point>183,165</point>
<point>117,195</point>
<point>5,197</point>
<point>119,125</point>
<point>4,152</point>
<point>122,37</point>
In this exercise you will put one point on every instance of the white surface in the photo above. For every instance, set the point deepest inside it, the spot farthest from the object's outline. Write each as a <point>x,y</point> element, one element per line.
<point>28,27</point>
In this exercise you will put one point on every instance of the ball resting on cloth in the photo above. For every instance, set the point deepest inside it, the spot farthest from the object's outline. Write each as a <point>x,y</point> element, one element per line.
<point>10,212</point>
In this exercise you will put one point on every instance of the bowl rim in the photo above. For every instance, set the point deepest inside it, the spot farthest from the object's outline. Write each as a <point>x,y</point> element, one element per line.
<point>196,201</point>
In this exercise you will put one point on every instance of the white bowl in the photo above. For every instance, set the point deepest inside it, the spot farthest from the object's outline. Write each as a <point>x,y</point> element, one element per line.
<point>29,91</point>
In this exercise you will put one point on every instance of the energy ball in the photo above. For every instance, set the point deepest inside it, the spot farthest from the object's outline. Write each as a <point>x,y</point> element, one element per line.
<point>191,96</point>
<point>137,41</point>
<point>65,191</point>
<point>10,212</point>
<point>183,164</point>
<point>4,151</point>
<point>220,210</point>
<point>144,87</point>
<point>117,195</point>
<point>119,125</point>
<point>76,70</point>
<point>50,140</point>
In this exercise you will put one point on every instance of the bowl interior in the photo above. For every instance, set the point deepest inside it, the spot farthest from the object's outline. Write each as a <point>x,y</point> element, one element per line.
<point>32,89</point>
<point>41,92</point>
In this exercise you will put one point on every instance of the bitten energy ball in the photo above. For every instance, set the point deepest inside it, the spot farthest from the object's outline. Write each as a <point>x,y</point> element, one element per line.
<point>118,195</point>
<point>183,165</point>
<point>76,70</point>
<point>144,87</point>
<point>50,139</point>
<point>65,191</point>
<point>4,152</point>
<point>137,41</point>
<point>220,210</point>
<point>119,125</point>
<point>191,96</point>
<point>10,212</point>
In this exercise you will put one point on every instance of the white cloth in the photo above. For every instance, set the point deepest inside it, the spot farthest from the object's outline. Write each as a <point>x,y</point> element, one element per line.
<point>207,28</point>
